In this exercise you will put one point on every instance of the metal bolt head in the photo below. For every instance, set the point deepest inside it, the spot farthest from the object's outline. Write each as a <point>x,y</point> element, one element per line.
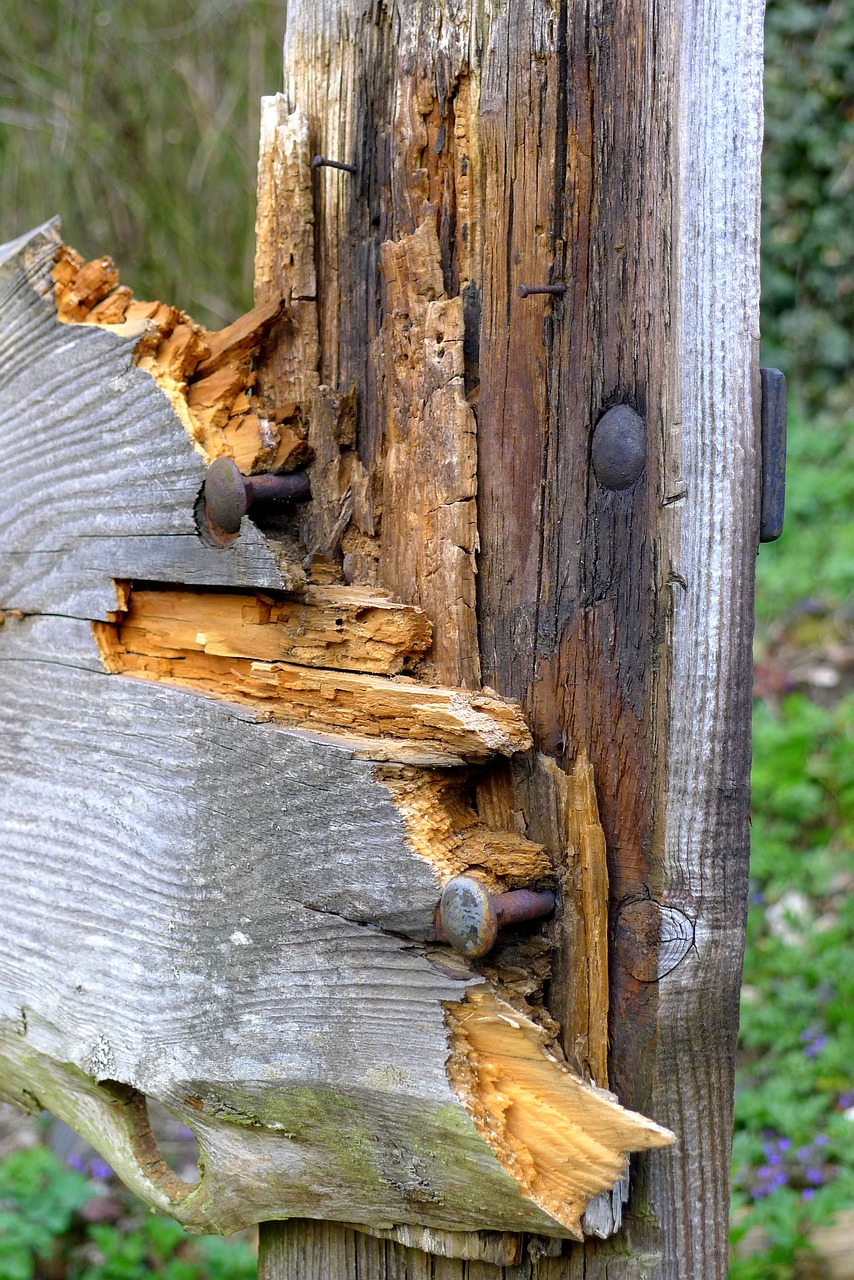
<point>467,916</point>
<point>619,448</point>
<point>226,498</point>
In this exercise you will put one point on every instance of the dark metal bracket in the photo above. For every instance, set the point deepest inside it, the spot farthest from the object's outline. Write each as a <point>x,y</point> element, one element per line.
<point>773,442</point>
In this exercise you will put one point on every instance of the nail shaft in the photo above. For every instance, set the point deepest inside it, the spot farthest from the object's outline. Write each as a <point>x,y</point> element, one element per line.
<point>525,290</point>
<point>323,162</point>
<point>522,904</point>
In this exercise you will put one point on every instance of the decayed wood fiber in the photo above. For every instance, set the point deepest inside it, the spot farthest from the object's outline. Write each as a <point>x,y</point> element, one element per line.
<point>208,377</point>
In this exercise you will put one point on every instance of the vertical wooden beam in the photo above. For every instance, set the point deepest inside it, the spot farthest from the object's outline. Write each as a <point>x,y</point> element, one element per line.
<point>613,147</point>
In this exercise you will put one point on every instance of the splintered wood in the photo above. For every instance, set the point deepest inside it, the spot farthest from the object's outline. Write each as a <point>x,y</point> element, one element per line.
<point>208,377</point>
<point>284,254</point>
<point>344,628</point>
<point>430,468</point>
<point>444,829</point>
<point>581,963</point>
<point>564,1141</point>
<point>162,637</point>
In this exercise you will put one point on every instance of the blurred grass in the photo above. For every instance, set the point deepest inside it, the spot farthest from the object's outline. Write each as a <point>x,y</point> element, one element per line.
<point>793,1151</point>
<point>138,124</point>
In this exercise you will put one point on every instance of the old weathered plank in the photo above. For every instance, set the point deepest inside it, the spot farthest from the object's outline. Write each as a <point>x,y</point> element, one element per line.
<point>97,472</point>
<point>430,454</point>
<point>203,906</point>
<point>615,149</point>
<point>227,940</point>
<point>230,940</point>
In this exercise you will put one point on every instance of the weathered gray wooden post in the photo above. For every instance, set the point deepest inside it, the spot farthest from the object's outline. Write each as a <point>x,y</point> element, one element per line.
<point>512,345</point>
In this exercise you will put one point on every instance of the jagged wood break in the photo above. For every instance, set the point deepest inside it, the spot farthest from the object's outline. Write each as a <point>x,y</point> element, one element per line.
<point>221,867</point>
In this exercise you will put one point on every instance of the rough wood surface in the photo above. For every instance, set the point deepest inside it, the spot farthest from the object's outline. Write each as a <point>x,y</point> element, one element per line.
<point>429,535</point>
<point>400,720</point>
<point>284,256</point>
<point>233,939</point>
<point>202,905</point>
<point>615,149</point>
<point>563,1140</point>
<point>95,439</point>
<point>344,629</point>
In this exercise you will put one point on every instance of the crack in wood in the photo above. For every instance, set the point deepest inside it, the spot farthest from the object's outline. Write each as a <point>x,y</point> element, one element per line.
<point>158,638</point>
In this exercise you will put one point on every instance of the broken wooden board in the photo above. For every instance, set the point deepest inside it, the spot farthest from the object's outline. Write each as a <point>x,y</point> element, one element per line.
<point>401,720</point>
<point>205,905</point>
<point>96,476</point>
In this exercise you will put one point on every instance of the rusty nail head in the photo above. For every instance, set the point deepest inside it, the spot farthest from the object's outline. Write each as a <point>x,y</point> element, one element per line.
<point>525,290</point>
<point>618,453</point>
<point>469,916</point>
<point>228,495</point>
<point>323,162</point>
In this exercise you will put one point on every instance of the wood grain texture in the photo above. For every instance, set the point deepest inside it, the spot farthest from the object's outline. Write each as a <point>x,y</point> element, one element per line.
<point>221,914</point>
<point>614,148</point>
<point>208,377</point>
<point>284,256</point>
<point>207,908</point>
<point>565,1141</point>
<point>241,943</point>
<point>401,720</point>
<point>429,535</point>
<point>115,472</point>
<point>342,629</point>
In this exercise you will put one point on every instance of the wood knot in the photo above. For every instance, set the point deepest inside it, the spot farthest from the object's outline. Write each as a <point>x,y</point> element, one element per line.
<point>651,939</point>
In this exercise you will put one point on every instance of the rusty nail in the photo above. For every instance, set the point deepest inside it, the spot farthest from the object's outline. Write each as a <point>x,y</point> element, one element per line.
<point>228,495</point>
<point>525,290</point>
<point>322,162</point>
<point>618,452</point>
<point>469,916</point>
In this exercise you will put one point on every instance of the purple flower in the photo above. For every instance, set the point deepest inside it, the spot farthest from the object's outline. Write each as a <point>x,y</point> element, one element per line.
<point>784,1144</point>
<point>803,1153</point>
<point>779,1180</point>
<point>821,1140</point>
<point>815,1176</point>
<point>99,1169</point>
<point>808,1194</point>
<point>814,1048</point>
<point>76,1162</point>
<point>845,1100</point>
<point>765,1171</point>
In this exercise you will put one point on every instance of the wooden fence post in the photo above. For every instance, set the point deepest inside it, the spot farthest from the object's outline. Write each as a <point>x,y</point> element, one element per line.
<point>506,322</point>
<point>611,149</point>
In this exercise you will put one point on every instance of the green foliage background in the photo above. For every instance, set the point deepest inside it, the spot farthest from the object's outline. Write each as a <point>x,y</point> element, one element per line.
<point>138,123</point>
<point>808,201</point>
